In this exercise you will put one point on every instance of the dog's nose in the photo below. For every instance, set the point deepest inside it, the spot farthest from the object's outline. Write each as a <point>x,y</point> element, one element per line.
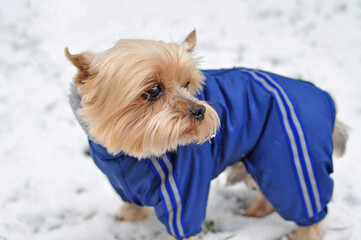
<point>197,112</point>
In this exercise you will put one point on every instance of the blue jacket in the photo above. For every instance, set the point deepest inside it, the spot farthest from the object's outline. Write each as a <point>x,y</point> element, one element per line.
<point>279,127</point>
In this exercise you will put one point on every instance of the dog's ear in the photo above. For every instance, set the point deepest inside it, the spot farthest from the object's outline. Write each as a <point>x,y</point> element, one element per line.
<point>190,41</point>
<point>82,61</point>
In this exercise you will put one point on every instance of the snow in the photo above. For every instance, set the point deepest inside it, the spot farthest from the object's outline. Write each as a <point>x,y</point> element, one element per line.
<point>50,189</point>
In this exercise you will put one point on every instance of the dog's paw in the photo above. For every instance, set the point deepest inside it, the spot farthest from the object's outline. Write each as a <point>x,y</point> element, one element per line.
<point>313,232</point>
<point>132,213</point>
<point>261,207</point>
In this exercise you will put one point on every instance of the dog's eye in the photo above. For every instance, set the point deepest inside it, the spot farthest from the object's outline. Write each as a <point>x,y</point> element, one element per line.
<point>186,85</point>
<point>153,94</point>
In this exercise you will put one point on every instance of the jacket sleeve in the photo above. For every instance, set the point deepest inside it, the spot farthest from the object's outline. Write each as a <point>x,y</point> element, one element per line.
<point>131,178</point>
<point>184,187</point>
<point>177,187</point>
<point>153,183</point>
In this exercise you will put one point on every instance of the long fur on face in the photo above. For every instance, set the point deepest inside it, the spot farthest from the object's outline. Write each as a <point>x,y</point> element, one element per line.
<point>121,119</point>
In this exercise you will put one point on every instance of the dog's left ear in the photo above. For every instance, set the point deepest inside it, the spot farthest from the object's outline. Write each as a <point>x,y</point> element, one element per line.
<point>190,41</point>
<point>82,61</point>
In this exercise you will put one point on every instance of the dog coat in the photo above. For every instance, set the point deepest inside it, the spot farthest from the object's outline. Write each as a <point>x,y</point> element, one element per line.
<point>279,127</point>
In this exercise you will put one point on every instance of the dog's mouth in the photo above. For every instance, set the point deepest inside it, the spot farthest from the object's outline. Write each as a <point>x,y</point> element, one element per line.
<point>200,132</point>
<point>209,137</point>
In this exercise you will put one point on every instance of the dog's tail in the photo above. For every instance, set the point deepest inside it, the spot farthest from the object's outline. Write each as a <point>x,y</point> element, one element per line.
<point>339,137</point>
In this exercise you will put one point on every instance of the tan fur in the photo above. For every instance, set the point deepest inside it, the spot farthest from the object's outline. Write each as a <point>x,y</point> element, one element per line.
<point>313,232</point>
<point>191,40</point>
<point>339,138</point>
<point>131,213</point>
<point>236,173</point>
<point>121,119</point>
<point>82,62</point>
<point>261,207</point>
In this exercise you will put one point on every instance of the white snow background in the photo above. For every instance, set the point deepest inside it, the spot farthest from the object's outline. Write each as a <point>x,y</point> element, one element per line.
<point>50,189</point>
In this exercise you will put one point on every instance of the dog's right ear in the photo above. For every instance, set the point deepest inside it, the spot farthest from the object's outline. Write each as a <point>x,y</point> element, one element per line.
<point>190,41</point>
<point>82,61</point>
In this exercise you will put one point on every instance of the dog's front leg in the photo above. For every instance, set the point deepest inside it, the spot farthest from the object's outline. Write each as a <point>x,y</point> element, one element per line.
<point>312,232</point>
<point>131,213</point>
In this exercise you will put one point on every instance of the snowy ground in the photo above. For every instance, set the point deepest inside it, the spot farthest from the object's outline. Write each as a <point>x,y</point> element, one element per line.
<point>51,190</point>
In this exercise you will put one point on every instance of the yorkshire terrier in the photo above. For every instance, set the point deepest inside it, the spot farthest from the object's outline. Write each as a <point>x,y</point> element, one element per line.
<point>161,129</point>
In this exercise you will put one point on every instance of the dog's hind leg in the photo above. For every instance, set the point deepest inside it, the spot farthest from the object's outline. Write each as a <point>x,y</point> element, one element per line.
<point>236,173</point>
<point>131,213</point>
<point>339,138</point>
<point>260,207</point>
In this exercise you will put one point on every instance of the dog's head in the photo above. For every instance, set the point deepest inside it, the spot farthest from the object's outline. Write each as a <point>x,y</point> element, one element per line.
<point>138,96</point>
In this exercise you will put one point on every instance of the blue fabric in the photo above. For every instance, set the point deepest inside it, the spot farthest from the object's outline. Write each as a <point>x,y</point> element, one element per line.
<point>251,131</point>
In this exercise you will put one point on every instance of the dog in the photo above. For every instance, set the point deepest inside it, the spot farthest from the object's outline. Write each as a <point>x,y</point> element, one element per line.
<point>161,129</point>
